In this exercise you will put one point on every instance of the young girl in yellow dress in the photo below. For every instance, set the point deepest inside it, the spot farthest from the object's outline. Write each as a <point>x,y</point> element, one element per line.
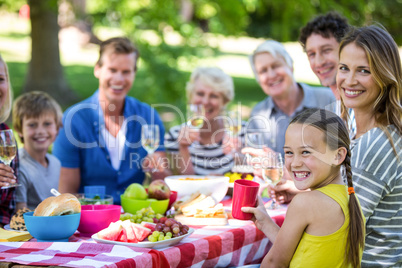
<point>323,227</point>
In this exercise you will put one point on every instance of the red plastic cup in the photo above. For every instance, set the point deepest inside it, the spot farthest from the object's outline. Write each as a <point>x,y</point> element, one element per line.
<point>244,195</point>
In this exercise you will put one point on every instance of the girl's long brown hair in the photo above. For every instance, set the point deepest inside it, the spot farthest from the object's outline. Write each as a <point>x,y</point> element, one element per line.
<point>337,136</point>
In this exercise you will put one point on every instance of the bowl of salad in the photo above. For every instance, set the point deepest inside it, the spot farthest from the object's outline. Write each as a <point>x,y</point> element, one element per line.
<point>95,200</point>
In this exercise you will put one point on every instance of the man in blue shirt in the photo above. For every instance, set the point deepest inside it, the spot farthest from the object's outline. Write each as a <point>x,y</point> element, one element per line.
<point>100,142</point>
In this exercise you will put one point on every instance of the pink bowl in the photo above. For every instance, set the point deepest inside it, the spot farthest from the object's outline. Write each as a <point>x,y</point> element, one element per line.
<point>97,217</point>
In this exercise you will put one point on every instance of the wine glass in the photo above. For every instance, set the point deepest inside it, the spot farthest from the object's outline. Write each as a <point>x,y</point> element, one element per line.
<point>246,164</point>
<point>233,123</point>
<point>272,171</point>
<point>150,139</point>
<point>195,116</point>
<point>8,150</point>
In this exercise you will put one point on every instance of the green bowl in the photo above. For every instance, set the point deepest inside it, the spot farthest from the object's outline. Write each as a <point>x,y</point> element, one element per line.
<point>133,205</point>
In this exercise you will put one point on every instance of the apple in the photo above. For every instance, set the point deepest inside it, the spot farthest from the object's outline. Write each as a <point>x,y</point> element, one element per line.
<point>159,190</point>
<point>136,191</point>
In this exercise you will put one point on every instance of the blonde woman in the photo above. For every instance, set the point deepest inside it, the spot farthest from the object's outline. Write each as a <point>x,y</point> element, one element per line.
<point>201,152</point>
<point>8,175</point>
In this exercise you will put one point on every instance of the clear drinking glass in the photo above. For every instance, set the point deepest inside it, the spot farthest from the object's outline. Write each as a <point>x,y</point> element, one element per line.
<point>233,123</point>
<point>8,150</point>
<point>272,171</point>
<point>195,116</point>
<point>150,140</point>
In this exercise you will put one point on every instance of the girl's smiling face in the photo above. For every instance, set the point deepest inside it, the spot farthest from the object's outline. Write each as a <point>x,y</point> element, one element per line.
<point>309,160</point>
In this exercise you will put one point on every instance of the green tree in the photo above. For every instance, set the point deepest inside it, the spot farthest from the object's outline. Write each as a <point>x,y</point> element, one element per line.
<point>169,40</point>
<point>45,72</point>
<point>282,20</point>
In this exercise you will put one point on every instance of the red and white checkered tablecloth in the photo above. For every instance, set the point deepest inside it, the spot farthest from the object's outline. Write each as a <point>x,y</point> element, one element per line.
<point>237,243</point>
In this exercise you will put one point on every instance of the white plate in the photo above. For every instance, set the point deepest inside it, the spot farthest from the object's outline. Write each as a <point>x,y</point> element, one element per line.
<point>215,186</point>
<point>8,228</point>
<point>145,244</point>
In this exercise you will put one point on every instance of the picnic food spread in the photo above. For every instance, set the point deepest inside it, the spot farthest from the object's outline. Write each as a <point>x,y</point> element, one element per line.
<point>63,204</point>
<point>200,209</point>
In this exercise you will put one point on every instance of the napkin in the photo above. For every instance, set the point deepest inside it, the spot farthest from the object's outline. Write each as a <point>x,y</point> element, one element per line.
<point>13,236</point>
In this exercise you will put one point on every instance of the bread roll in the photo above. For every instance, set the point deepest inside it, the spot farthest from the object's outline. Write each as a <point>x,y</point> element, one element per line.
<point>63,204</point>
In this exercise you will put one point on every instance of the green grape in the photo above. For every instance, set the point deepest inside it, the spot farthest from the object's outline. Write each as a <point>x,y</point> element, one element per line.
<point>152,238</point>
<point>138,221</point>
<point>134,217</point>
<point>161,237</point>
<point>151,216</point>
<point>158,216</point>
<point>167,238</point>
<point>169,234</point>
<point>156,233</point>
<point>139,215</point>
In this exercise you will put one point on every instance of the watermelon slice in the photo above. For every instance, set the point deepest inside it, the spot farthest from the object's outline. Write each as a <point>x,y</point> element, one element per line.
<point>112,232</point>
<point>123,236</point>
<point>150,226</point>
<point>141,232</point>
<point>127,225</point>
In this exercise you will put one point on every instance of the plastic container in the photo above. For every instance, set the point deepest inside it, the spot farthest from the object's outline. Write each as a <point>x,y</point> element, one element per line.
<point>95,190</point>
<point>107,200</point>
<point>52,228</point>
<point>133,205</point>
<point>97,217</point>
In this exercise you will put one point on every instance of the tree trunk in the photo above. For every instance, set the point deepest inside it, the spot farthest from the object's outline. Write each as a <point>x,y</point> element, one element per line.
<point>45,71</point>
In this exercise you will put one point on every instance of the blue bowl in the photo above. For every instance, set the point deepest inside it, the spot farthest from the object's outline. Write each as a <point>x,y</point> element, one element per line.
<point>52,228</point>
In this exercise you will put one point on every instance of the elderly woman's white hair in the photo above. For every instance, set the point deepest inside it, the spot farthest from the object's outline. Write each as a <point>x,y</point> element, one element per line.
<point>213,77</point>
<point>274,48</point>
<point>6,108</point>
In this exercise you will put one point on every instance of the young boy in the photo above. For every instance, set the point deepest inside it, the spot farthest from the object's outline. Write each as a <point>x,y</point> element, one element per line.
<point>37,119</point>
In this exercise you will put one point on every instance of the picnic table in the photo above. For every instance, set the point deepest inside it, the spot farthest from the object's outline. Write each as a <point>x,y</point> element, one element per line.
<point>232,245</point>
